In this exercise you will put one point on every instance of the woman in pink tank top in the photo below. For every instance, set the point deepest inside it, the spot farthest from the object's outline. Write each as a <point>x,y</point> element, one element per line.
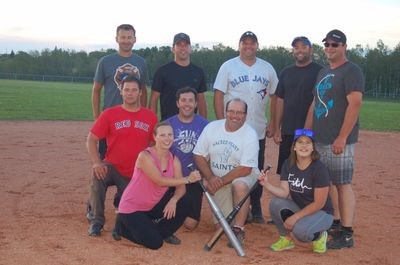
<point>149,212</point>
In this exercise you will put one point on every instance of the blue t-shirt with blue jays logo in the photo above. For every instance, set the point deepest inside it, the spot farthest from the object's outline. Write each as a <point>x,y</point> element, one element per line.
<point>331,89</point>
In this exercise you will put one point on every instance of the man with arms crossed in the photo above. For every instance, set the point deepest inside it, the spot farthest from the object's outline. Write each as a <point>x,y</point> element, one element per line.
<point>334,118</point>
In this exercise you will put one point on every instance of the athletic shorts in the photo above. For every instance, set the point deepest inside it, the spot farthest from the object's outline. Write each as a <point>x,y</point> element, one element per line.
<point>224,196</point>
<point>341,167</point>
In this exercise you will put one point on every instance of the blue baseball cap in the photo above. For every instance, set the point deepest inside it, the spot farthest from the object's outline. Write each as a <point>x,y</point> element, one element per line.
<point>303,132</point>
<point>305,40</point>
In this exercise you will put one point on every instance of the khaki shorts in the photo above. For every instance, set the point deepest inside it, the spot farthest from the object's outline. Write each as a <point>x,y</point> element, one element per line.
<point>224,197</point>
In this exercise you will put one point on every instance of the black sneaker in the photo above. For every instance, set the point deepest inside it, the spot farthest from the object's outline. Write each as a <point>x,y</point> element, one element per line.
<point>239,233</point>
<point>335,230</point>
<point>172,240</point>
<point>343,240</point>
<point>95,229</point>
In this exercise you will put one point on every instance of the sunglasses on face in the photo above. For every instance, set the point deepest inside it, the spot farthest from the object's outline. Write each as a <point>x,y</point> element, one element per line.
<point>333,44</point>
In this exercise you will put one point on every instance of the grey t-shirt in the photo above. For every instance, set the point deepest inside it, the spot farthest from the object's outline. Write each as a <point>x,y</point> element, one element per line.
<point>112,65</point>
<point>331,89</point>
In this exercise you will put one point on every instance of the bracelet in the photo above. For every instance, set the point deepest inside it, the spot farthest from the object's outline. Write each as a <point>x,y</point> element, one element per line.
<point>188,181</point>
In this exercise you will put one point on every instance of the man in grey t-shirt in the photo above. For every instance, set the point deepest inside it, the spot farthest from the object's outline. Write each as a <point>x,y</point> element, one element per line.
<point>334,118</point>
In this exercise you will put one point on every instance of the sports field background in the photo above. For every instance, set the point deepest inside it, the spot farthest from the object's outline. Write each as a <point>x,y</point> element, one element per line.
<point>36,100</point>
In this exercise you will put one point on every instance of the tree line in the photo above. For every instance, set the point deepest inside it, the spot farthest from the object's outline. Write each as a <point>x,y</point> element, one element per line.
<point>380,64</point>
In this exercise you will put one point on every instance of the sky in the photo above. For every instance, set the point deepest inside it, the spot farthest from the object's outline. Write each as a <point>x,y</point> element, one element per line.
<point>88,25</point>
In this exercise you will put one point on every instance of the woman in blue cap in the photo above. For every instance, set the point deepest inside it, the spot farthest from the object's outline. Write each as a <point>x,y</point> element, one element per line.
<point>301,207</point>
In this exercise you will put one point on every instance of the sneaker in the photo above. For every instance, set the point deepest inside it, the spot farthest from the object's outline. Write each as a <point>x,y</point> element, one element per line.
<point>344,240</point>
<point>239,233</point>
<point>95,229</point>
<point>335,230</point>
<point>319,245</point>
<point>282,244</point>
<point>172,240</point>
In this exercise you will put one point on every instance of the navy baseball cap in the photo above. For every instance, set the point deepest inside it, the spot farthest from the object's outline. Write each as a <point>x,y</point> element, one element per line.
<point>305,40</point>
<point>336,35</point>
<point>303,132</point>
<point>248,34</point>
<point>181,37</point>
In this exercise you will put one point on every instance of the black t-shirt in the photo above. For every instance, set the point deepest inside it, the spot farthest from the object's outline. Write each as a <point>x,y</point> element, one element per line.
<point>171,77</point>
<point>295,87</point>
<point>303,182</point>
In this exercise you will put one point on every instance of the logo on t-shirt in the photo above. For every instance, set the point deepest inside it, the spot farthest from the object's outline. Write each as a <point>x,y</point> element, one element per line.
<point>186,140</point>
<point>323,104</point>
<point>122,124</point>
<point>125,69</point>
<point>297,185</point>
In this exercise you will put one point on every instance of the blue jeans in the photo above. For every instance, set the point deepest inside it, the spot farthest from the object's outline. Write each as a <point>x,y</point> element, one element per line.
<point>305,228</point>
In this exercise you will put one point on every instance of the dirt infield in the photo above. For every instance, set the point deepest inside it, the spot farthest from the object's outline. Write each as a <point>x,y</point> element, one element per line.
<point>44,180</point>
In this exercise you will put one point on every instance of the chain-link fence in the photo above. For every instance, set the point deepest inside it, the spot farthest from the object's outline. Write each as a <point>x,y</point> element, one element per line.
<point>48,78</point>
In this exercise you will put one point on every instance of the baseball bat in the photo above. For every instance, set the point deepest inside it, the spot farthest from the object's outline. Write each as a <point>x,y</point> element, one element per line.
<point>210,244</point>
<point>221,219</point>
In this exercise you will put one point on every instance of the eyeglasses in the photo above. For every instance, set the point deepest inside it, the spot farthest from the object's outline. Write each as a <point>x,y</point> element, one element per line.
<point>235,112</point>
<point>333,44</point>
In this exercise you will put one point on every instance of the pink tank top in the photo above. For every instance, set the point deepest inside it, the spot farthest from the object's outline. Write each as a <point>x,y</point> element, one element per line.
<point>142,194</point>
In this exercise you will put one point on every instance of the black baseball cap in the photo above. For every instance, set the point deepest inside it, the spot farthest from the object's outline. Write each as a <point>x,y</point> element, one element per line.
<point>248,34</point>
<point>181,37</point>
<point>336,35</point>
<point>305,40</point>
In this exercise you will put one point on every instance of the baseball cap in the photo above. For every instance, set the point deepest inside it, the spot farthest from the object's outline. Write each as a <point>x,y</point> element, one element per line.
<point>303,132</point>
<point>305,40</point>
<point>336,35</point>
<point>248,34</point>
<point>181,37</point>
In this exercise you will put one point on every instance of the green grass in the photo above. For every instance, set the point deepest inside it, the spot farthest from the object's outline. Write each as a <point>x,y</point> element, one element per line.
<point>35,100</point>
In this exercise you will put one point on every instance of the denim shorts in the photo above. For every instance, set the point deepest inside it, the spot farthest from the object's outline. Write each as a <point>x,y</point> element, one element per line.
<point>341,166</point>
